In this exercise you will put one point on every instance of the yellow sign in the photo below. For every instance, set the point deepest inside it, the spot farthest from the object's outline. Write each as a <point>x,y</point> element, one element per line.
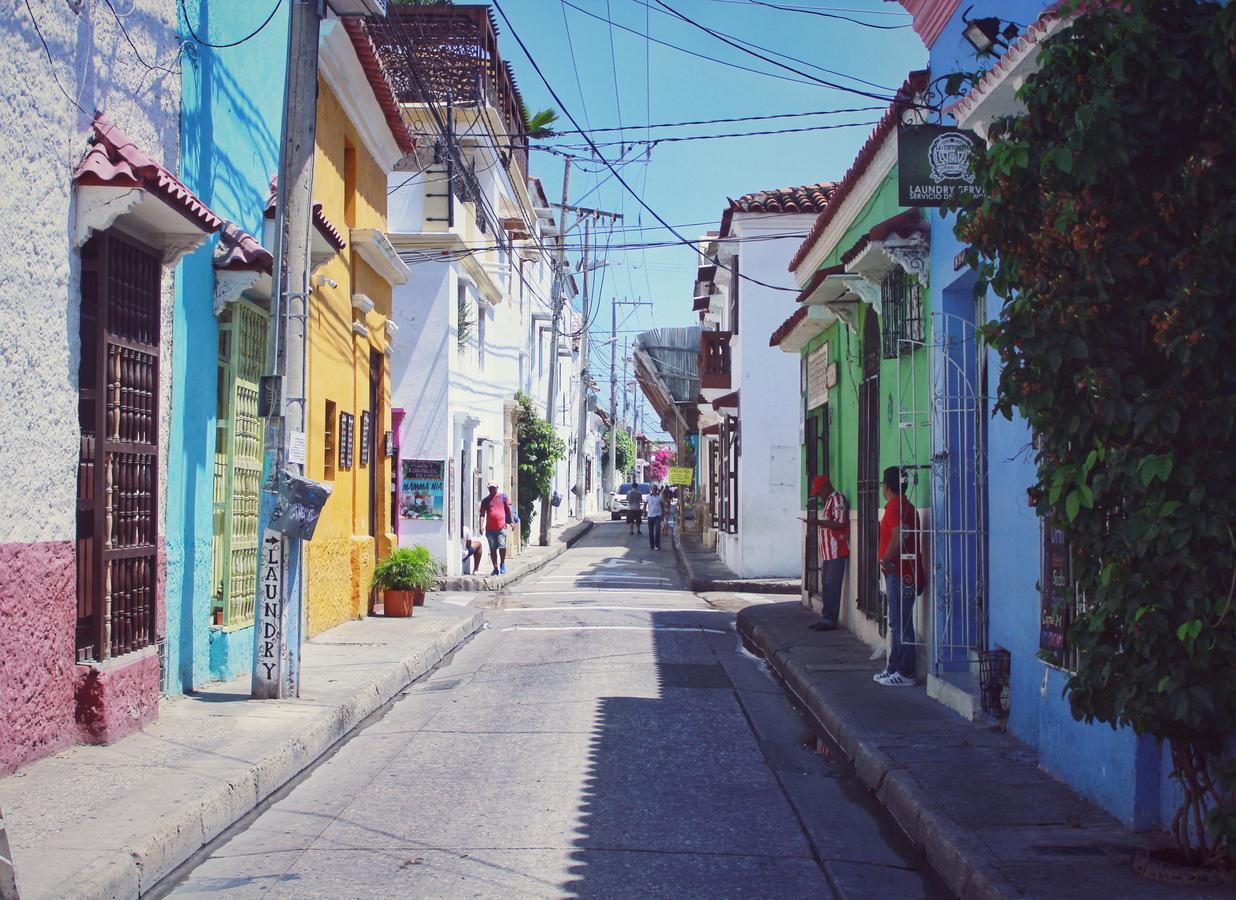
<point>681,475</point>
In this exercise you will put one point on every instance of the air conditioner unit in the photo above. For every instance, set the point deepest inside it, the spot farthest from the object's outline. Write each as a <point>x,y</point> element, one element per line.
<point>359,7</point>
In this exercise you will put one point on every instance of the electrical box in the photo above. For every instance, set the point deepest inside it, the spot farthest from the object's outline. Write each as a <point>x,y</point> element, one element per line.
<point>359,7</point>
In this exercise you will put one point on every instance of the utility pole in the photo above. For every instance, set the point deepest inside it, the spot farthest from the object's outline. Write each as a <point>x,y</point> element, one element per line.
<point>559,294</point>
<point>280,606</point>
<point>580,444</point>
<point>611,470</point>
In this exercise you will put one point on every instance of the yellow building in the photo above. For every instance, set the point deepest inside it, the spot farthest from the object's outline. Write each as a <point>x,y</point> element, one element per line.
<point>360,137</point>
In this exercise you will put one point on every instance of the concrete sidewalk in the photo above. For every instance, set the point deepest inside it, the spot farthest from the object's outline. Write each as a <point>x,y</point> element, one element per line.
<point>707,572</point>
<point>111,821</point>
<point>989,820</point>
<point>530,558</point>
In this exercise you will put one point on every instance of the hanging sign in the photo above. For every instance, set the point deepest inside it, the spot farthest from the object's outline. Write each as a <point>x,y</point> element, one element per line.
<point>680,475</point>
<point>817,377</point>
<point>298,504</point>
<point>421,488</point>
<point>933,163</point>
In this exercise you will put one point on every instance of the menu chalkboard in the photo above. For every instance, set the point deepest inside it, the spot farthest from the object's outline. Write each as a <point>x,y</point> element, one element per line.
<point>1056,595</point>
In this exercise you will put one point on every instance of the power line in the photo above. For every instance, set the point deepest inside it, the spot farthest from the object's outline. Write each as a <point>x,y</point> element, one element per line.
<point>133,46</point>
<point>184,9</point>
<point>51,61</point>
<point>709,137</point>
<point>827,15</point>
<point>727,120</point>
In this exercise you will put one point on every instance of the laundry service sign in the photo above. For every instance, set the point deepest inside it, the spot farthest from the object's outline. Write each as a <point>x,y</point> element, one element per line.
<point>933,163</point>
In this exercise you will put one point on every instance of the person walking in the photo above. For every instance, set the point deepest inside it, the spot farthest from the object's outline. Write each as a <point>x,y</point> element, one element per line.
<point>654,518</point>
<point>834,543</point>
<point>904,578</point>
<point>635,505</point>
<point>669,507</point>
<point>496,514</point>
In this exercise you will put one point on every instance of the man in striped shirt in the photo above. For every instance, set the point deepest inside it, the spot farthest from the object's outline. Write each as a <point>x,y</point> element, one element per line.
<point>834,523</point>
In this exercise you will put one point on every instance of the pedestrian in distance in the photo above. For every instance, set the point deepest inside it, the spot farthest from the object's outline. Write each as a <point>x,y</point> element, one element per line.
<point>669,507</point>
<point>904,578</point>
<point>635,506</point>
<point>834,544</point>
<point>654,518</point>
<point>471,550</point>
<point>496,514</point>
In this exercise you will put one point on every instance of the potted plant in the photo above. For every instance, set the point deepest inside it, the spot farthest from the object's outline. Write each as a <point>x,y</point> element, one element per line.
<point>403,578</point>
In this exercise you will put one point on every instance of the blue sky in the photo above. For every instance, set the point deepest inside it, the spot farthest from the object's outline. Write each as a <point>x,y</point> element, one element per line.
<point>640,82</point>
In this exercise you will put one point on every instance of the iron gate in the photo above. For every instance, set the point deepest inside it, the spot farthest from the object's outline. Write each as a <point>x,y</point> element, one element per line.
<point>941,417</point>
<point>870,599</point>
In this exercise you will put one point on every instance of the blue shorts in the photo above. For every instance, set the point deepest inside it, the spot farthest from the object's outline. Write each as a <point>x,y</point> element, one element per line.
<point>497,540</point>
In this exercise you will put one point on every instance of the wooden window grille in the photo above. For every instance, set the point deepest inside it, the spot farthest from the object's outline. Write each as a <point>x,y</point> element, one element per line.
<point>816,426</point>
<point>714,485</point>
<point>238,462</point>
<point>328,441</point>
<point>901,307</point>
<point>734,295</point>
<point>869,476</point>
<point>735,450</point>
<point>366,436</point>
<point>347,428</point>
<point>118,477</point>
<point>727,506</point>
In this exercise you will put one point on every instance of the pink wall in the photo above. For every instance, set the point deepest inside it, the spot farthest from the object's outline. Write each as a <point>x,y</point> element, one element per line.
<point>47,701</point>
<point>38,604</point>
<point>930,17</point>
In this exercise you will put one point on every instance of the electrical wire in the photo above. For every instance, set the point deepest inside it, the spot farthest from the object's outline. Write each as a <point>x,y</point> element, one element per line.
<point>133,46</point>
<point>759,118</point>
<point>51,60</point>
<point>710,137</point>
<point>248,37</point>
<point>826,15</point>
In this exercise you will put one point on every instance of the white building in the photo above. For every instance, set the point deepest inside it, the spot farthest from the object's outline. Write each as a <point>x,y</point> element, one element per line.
<point>750,420</point>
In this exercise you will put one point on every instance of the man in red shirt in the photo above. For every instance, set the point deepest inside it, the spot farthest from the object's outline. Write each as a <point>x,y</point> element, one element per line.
<point>834,537</point>
<point>903,578</point>
<point>496,513</point>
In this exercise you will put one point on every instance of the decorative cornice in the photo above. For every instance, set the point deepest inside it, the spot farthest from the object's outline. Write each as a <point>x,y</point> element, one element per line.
<point>343,73</point>
<point>375,249</point>
<point>912,253</point>
<point>231,283</point>
<point>98,207</point>
<point>362,304</point>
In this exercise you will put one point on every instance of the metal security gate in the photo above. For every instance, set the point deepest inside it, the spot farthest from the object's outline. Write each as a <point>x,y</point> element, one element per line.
<point>118,469</point>
<point>870,601</point>
<point>816,437</point>
<point>940,400</point>
<point>238,462</point>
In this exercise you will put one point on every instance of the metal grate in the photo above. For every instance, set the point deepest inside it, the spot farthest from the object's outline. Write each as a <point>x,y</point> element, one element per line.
<point>901,308</point>
<point>117,490</point>
<point>869,597</point>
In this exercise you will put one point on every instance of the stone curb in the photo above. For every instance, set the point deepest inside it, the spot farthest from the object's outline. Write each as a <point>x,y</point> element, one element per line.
<point>700,585</point>
<point>137,869</point>
<point>566,539</point>
<point>950,850</point>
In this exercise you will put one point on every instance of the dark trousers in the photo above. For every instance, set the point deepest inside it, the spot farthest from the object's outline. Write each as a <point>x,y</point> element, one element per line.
<point>900,624</point>
<point>654,532</point>
<point>832,575</point>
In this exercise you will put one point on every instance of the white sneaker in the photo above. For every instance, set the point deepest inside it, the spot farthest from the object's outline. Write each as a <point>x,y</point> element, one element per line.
<point>879,677</point>
<point>896,679</point>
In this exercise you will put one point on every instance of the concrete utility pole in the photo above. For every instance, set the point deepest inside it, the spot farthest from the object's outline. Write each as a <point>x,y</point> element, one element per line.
<point>559,294</point>
<point>580,444</point>
<point>612,468</point>
<point>280,606</point>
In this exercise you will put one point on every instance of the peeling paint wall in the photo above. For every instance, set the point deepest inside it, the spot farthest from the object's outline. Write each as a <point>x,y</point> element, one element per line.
<point>45,111</point>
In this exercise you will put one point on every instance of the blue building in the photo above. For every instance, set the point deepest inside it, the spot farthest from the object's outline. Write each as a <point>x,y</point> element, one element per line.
<point>230,132</point>
<point>1125,774</point>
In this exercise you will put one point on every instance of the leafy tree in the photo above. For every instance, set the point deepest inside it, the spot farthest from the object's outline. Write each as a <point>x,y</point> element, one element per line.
<point>624,447</point>
<point>1107,231</point>
<point>540,450</point>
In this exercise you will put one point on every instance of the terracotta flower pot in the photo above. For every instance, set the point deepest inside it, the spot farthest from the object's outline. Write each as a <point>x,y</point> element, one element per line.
<point>398,604</point>
<point>418,598</point>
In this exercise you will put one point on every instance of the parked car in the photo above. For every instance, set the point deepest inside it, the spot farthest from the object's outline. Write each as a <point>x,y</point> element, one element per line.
<point>617,502</point>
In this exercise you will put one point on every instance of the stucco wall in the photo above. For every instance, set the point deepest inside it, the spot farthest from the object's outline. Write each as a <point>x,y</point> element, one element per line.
<point>43,136</point>
<point>232,101</point>
<point>341,554</point>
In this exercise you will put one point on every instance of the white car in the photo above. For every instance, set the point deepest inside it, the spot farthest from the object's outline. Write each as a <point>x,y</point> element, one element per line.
<point>617,502</point>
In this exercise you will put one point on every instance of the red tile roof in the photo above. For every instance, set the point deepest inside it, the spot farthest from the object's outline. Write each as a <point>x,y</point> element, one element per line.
<point>806,198</point>
<point>784,329</point>
<point>379,82</point>
<point>915,83</point>
<point>240,251</point>
<point>114,160</point>
<point>324,226</point>
<point>930,16</point>
<point>903,224</point>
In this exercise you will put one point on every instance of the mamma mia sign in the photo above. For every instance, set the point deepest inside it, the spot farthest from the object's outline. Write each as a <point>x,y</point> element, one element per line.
<point>933,163</point>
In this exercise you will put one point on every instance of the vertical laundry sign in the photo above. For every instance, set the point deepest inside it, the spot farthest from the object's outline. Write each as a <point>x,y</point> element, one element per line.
<point>271,648</point>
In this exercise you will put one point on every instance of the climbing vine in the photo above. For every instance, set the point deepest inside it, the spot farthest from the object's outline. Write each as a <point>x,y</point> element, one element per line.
<point>1107,231</point>
<point>624,449</point>
<point>540,450</point>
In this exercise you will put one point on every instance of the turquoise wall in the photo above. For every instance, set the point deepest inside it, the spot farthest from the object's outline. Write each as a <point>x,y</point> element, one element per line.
<point>232,107</point>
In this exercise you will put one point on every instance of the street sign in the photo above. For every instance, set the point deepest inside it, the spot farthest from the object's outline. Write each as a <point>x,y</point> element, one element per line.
<point>270,651</point>
<point>933,163</point>
<point>681,475</point>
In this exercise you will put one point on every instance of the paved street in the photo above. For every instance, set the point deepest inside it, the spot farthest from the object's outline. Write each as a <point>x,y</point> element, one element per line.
<point>605,736</point>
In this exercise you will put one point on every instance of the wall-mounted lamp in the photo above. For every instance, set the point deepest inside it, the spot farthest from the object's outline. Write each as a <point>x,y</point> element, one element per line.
<point>985,34</point>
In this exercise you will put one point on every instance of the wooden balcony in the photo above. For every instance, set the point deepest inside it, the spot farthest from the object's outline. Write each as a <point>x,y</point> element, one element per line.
<point>715,359</point>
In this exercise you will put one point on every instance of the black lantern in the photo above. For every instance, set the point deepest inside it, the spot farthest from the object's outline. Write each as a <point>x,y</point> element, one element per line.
<point>985,34</point>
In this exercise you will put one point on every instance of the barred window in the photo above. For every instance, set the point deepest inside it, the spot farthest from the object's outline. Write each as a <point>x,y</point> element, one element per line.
<point>902,311</point>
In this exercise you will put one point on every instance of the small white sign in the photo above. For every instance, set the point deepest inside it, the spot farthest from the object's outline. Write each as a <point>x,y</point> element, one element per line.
<point>817,377</point>
<point>271,618</point>
<point>296,448</point>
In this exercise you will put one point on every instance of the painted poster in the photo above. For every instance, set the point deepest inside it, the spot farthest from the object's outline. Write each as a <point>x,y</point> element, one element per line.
<point>421,487</point>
